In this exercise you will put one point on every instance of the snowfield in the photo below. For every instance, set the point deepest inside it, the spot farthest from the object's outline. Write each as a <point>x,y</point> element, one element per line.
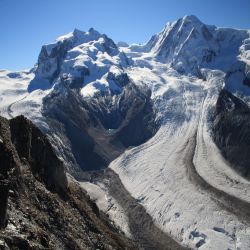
<point>179,176</point>
<point>106,203</point>
<point>160,175</point>
<point>15,98</point>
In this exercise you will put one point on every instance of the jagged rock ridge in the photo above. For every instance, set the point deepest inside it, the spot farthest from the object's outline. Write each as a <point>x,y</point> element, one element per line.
<point>42,208</point>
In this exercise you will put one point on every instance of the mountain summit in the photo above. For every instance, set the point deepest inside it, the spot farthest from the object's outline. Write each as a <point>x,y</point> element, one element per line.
<point>79,58</point>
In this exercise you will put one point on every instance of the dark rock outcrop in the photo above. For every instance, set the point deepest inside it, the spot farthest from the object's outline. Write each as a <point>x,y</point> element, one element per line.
<point>4,189</point>
<point>33,147</point>
<point>96,131</point>
<point>246,81</point>
<point>231,131</point>
<point>42,208</point>
<point>9,163</point>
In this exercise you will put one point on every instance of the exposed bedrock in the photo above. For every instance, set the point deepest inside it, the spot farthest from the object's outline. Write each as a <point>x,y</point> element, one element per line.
<point>231,131</point>
<point>95,131</point>
<point>33,147</point>
<point>8,169</point>
<point>42,208</point>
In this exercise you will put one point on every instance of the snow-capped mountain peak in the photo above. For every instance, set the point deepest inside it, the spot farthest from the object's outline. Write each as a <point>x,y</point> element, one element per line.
<point>79,59</point>
<point>77,36</point>
<point>186,43</point>
<point>189,45</point>
<point>191,18</point>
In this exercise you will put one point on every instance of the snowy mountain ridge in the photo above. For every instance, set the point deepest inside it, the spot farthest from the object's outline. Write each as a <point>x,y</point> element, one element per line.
<point>80,58</point>
<point>188,45</point>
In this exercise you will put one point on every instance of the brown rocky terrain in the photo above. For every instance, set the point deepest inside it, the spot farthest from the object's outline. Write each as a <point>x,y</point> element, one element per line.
<point>41,207</point>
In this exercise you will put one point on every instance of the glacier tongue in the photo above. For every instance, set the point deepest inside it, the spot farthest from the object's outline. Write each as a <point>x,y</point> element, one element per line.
<point>179,175</point>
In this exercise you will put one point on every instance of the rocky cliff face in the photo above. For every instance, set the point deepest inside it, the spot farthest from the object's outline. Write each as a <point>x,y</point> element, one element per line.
<point>34,148</point>
<point>95,131</point>
<point>231,131</point>
<point>42,208</point>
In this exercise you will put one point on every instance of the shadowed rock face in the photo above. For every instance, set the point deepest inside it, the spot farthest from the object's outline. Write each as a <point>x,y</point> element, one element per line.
<point>8,168</point>
<point>231,131</point>
<point>97,130</point>
<point>41,207</point>
<point>32,146</point>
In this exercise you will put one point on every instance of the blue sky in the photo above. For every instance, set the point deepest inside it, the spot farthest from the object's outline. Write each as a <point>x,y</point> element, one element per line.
<point>28,24</point>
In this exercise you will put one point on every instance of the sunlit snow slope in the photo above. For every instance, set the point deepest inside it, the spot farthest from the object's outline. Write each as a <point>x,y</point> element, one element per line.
<point>88,61</point>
